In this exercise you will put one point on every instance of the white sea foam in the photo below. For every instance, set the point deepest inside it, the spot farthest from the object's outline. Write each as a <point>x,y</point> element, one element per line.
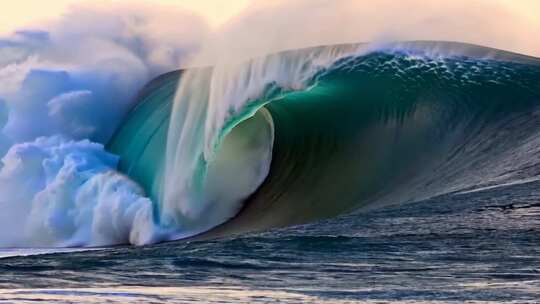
<point>66,193</point>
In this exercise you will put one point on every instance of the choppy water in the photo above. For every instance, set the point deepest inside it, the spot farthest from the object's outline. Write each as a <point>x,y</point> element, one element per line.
<point>481,246</point>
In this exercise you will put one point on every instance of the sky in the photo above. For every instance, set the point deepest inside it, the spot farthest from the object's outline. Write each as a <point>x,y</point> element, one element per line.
<point>491,28</point>
<point>24,13</point>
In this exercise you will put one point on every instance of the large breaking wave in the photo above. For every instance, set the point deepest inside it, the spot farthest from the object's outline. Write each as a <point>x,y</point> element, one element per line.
<point>309,134</point>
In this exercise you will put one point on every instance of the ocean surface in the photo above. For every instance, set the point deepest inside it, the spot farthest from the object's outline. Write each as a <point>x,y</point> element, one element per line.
<point>480,246</point>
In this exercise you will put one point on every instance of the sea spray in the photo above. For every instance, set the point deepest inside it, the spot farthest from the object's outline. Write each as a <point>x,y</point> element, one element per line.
<point>66,193</point>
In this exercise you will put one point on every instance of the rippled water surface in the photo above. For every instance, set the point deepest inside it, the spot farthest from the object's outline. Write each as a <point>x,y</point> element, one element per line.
<point>481,246</point>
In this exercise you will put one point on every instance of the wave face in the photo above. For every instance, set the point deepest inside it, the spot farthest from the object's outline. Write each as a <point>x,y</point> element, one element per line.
<point>310,134</point>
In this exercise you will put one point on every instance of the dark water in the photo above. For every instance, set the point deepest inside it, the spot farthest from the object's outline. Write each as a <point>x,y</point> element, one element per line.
<point>481,246</point>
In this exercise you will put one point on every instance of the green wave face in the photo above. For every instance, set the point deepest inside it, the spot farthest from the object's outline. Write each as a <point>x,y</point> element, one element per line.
<point>384,127</point>
<point>142,138</point>
<point>387,128</point>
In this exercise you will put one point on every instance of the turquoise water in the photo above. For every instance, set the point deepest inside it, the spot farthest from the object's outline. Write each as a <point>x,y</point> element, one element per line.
<point>143,136</point>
